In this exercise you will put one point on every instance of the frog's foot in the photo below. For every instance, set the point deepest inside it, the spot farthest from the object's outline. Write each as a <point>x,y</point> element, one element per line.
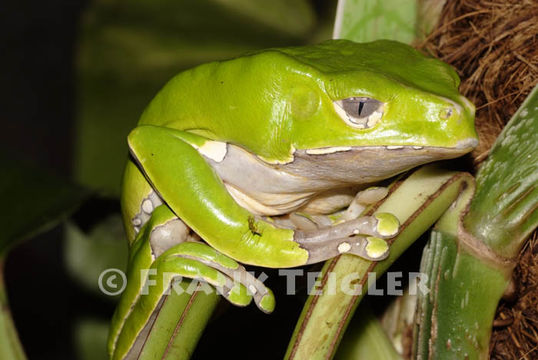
<point>170,237</point>
<point>233,276</point>
<point>364,198</point>
<point>364,237</point>
<point>164,252</point>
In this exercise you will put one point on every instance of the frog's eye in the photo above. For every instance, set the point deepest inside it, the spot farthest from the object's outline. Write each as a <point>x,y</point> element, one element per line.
<point>359,112</point>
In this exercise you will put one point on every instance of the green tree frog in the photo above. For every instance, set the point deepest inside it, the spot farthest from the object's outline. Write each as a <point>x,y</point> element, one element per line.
<point>242,161</point>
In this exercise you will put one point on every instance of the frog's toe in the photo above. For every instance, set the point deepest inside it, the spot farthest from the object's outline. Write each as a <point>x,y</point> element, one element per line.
<point>367,247</point>
<point>242,282</point>
<point>267,302</point>
<point>371,195</point>
<point>237,294</point>
<point>382,225</point>
<point>387,224</point>
<point>364,198</point>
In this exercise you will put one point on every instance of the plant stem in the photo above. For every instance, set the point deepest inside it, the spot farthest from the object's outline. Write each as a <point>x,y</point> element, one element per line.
<point>417,201</point>
<point>10,346</point>
<point>366,339</point>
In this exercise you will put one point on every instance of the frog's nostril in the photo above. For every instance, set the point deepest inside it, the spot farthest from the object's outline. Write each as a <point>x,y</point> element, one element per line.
<point>446,112</point>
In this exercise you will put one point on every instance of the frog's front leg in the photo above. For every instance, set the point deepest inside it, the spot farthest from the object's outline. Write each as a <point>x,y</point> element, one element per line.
<point>173,163</point>
<point>184,259</point>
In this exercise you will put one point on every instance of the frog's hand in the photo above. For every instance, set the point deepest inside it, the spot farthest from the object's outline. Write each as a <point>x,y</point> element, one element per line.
<point>328,242</point>
<point>172,162</point>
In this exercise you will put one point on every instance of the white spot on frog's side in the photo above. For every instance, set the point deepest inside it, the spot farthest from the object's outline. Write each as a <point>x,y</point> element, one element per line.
<point>418,147</point>
<point>394,147</point>
<point>147,206</point>
<point>344,247</point>
<point>327,150</point>
<point>215,150</point>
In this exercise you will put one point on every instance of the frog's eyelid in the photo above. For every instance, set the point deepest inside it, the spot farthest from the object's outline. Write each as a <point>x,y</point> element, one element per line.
<point>359,112</point>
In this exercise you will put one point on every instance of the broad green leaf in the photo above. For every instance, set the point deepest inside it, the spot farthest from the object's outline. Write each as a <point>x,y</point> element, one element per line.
<point>87,255</point>
<point>90,339</point>
<point>33,201</point>
<point>368,20</point>
<point>10,346</point>
<point>294,17</point>
<point>503,211</point>
<point>366,339</point>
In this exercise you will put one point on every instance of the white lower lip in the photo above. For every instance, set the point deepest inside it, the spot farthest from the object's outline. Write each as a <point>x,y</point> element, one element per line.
<point>327,150</point>
<point>467,143</point>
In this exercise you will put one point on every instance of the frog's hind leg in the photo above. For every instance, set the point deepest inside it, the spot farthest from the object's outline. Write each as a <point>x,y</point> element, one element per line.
<point>175,240</point>
<point>163,253</point>
<point>204,254</point>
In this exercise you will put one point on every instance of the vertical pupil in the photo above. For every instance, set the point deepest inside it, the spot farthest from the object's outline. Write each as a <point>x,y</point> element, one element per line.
<point>361,106</point>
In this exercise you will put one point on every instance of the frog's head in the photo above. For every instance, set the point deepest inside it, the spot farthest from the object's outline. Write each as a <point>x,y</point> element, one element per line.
<point>381,104</point>
<point>359,108</point>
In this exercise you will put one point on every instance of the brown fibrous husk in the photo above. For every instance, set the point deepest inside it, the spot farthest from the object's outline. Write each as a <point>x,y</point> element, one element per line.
<point>493,45</point>
<point>515,329</point>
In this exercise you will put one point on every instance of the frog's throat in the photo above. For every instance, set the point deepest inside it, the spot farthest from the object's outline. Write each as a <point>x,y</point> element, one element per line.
<point>274,189</point>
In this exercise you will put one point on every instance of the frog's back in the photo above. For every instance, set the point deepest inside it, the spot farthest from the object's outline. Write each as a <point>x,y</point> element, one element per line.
<point>238,99</point>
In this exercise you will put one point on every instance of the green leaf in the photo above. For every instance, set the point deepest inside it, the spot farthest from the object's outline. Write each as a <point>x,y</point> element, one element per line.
<point>179,324</point>
<point>295,17</point>
<point>90,339</point>
<point>368,20</point>
<point>503,211</point>
<point>10,346</point>
<point>33,201</point>
<point>87,255</point>
<point>366,339</point>
<point>428,16</point>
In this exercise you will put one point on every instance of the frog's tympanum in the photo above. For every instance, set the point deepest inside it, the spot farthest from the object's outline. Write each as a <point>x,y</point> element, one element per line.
<point>268,159</point>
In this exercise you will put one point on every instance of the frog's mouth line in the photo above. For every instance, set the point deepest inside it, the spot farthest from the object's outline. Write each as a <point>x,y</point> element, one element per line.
<point>462,146</point>
<point>367,164</point>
